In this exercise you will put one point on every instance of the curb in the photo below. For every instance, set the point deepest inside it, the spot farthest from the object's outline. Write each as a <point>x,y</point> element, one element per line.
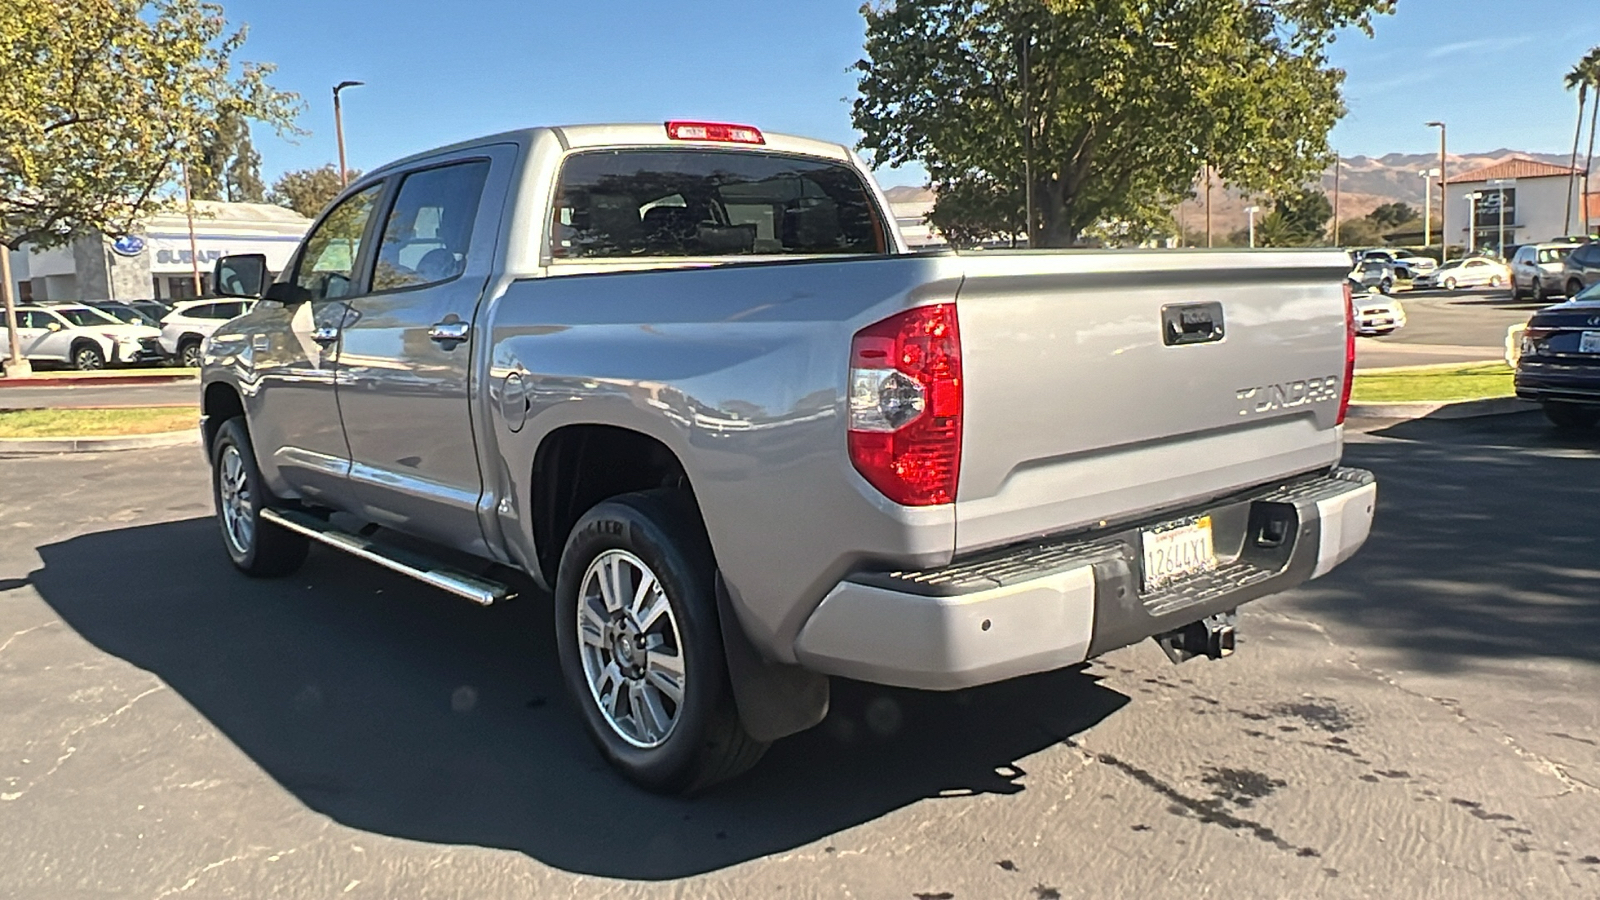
<point>1452,409</point>
<point>90,444</point>
<point>113,380</point>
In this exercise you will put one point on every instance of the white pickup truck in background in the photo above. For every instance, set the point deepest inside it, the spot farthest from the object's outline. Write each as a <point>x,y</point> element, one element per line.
<point>689,378</point>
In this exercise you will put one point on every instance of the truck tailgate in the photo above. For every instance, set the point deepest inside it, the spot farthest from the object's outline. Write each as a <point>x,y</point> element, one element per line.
<point>1095,389</point>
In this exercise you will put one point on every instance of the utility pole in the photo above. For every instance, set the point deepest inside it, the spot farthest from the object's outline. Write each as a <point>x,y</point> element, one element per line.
<point>1206,172</point>
<point>1444,183</point>
<point>16,366</point>
<point>188,213</point>
<point>1251,212</point>
<point>338,128</point>
<point>1427,206</point>
<point>1338,164</point>
<point>1027,142</point>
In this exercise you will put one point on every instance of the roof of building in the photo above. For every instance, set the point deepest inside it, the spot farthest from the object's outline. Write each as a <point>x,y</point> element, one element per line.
<point>1516,167</point>
<point>242,218</point>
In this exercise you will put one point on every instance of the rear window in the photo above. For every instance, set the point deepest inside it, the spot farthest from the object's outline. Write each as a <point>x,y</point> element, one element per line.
<point>1553,254</point>
<point>655,203</point>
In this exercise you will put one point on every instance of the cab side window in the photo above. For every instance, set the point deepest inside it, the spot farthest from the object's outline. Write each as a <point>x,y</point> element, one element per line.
<point>429,229</point>
<point>326,268</point>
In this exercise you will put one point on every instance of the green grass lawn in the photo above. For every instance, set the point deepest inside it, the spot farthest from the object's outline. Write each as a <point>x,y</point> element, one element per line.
<point>1462,383</point>
<point>52,423</point>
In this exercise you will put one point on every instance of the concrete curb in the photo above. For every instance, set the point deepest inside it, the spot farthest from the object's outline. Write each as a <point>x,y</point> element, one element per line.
<point>89,444</point>
<point>1455,409</point>
<point>112,380</point>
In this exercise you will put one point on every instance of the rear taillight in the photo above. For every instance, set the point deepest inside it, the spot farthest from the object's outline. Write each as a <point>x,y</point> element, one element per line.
<point>905,405</point>
<point>1349,352</point>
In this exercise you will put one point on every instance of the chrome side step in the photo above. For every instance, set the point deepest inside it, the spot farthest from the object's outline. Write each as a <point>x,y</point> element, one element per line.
<point>479,590</point>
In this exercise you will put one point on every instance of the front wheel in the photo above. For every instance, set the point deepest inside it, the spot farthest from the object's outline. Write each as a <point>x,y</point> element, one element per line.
<point>1494,281</point>
<point>1537,290</point>
<point>1571,416</point>
<point>1449,284</point>
<point>1574,287</point>
<point>256,547</point>
<point>88,358</point>
<point>641,646</point>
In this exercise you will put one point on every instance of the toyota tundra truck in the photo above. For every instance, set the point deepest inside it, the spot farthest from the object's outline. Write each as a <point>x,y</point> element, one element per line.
<point>688,380</point>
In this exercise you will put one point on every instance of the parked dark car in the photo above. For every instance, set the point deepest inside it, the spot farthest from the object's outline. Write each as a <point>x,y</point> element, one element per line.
<point>1582,268</point>
<point>1560,362</point>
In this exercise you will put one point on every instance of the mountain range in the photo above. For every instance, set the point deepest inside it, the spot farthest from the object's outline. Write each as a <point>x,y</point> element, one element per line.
<point>1365,183</point>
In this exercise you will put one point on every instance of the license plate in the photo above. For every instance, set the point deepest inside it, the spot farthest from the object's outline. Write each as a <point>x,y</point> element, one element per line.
<point>1177,550</point>
<point>1590,342</point>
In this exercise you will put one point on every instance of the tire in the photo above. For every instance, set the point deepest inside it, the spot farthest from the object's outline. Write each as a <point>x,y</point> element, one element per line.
<point>1385,286</point>
<point>1574,288</point>
<point>1516,290</point>
<point>189,353</point>
<point>1449,284</point>
<point>87,357</point>
<point>1537,290</point>
<point>1571,416</point>
<point>257,548</point>
<point>1495,281</point>
<point>656,533</point>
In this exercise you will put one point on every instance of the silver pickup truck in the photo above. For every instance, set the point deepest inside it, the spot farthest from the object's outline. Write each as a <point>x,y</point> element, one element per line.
<point>688,379</point>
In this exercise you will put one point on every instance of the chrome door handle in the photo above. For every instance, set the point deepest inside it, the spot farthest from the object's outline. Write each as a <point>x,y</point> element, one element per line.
<point>325,334</point>
<point>449,332</point>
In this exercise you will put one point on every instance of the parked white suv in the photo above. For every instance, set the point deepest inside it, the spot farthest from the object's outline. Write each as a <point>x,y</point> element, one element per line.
<point>81,335</point>
<point>191,322</point>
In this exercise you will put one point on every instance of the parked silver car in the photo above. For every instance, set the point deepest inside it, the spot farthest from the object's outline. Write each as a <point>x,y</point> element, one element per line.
<point>1536,270</point>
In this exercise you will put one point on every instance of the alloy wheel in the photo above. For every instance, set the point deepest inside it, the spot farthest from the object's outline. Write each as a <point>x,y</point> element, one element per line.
<point>233,493</point>
<point>631,648</point>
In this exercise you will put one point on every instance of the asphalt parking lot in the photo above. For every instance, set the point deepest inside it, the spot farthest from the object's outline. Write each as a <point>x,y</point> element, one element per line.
<point>1448,326</point>
<point>1421,723</point>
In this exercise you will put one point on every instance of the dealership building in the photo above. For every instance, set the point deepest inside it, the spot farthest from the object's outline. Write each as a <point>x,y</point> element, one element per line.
<point>156,261</point>
<point>1515,201</point>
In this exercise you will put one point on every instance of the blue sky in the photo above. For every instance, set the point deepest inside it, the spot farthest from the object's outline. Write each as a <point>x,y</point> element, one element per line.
<point>440,72</point>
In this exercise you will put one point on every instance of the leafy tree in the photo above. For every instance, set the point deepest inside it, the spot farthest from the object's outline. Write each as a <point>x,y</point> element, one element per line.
<point>228,166</point>
<point>99,99</point>
<point>1306,213</point>
<point>1392,215</point>
<point>307,191</point>
<point>1123,103</point>
<point>1360,232</point>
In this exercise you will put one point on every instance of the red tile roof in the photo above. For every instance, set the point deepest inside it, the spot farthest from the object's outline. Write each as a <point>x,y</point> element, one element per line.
<point>1517,167</point>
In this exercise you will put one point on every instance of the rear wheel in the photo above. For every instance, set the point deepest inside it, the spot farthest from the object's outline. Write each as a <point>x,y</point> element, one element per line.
<point>1571,416</point>
<point>189,353</point>
<point>256,547</point>
<point>1574,288</point>
<point>1386,285</point>
<point>641,645</point>
<point>1495,281</point>
<point>1516,289</point>
<point>87,357</point>
<point>1537,290</point>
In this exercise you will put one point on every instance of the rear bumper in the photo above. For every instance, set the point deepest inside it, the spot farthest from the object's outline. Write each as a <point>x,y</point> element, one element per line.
<point>1547,381</point>
<point>1055,603</point>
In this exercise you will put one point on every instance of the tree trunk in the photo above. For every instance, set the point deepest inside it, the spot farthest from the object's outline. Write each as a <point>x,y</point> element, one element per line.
<point>1588,166</point>
<point>1572,180</point>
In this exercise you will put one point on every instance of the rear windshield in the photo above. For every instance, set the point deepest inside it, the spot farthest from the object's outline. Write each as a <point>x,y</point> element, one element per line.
<point>1553,254</point>
<point>650,203</point>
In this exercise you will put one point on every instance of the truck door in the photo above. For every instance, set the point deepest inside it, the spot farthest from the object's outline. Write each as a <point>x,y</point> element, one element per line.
<point>406,351</point>
<point>294,415</point>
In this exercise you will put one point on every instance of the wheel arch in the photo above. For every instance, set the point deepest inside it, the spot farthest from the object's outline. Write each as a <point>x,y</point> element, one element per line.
<point>219,403</point>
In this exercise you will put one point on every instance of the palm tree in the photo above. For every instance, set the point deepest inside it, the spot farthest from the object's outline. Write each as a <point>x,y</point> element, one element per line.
<point>1591,67</point>
<point>1577,78</point>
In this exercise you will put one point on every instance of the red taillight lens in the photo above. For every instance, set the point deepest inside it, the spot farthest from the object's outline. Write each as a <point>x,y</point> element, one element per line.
<point>715,131</point>
<point>905,405</point>
<point>1349,351</point>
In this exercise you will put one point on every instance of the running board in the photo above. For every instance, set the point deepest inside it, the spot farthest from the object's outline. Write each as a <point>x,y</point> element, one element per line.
<point>428,571</point>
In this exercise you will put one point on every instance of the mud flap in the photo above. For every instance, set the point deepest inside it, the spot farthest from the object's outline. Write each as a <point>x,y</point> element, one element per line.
<point>775,700</point>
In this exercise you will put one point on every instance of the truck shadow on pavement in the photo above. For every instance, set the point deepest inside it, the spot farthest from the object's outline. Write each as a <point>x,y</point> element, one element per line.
<point>395,709</point>
<point>1486,545</point>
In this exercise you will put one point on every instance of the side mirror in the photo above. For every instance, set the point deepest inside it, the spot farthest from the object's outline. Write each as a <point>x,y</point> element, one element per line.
<point>243,275</point>
<point>52,326</point>
<point>287,292</point>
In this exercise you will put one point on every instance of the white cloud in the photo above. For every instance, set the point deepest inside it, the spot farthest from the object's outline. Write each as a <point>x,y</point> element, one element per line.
<point>1486,44</point>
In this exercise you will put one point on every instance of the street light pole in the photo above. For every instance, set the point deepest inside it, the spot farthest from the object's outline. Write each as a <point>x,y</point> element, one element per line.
<point>1472,220</point>
<point>1251,211</point>
<point>1427,206</point>
<point>1338,163</point>
<point>1444,182</point>
<point>338,128</point>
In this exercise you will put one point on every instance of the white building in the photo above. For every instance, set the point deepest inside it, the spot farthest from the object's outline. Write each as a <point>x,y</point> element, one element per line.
<point>157,262</point>
<point>1537,199</point>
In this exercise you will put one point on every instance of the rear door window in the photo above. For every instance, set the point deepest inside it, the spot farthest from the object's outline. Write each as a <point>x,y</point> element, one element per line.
<point>429,229</point>
<point>696,203</point>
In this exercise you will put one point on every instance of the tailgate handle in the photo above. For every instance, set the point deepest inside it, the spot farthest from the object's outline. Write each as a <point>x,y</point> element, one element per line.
<point>1191,323</point>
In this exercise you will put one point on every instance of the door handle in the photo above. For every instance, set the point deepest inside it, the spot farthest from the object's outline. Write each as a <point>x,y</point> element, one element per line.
<point>325,334</point>
<point>450,332</point>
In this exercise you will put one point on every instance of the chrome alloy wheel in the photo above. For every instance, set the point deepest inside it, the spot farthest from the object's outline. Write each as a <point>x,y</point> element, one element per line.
<point>631,649</point>
<point>233,494</point>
